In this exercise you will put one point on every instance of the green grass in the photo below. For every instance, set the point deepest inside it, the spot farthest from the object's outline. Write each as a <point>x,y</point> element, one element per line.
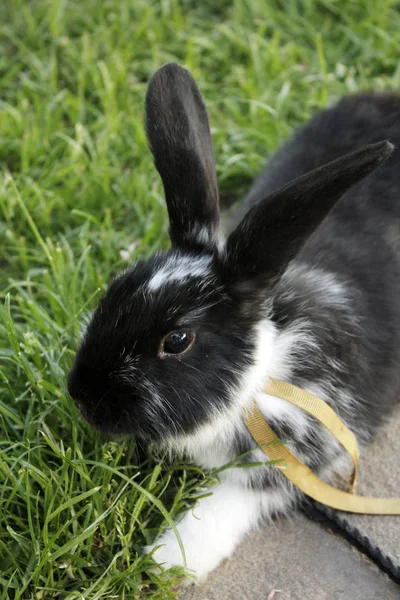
<point>78,193</point>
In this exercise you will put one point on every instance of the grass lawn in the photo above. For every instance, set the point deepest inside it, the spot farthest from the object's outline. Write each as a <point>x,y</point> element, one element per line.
<point>79,197</point>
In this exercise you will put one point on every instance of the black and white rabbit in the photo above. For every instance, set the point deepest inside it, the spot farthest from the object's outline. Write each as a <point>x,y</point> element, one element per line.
<point>306,289</point>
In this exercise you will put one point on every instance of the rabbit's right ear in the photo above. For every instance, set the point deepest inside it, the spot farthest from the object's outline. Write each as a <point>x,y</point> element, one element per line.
<point>179,136</point>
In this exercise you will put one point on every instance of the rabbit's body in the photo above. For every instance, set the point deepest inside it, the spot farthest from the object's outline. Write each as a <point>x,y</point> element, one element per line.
<point>293,293</point>
<point>345,281</point>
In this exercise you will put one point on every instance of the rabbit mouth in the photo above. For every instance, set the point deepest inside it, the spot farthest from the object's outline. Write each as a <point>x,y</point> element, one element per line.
<point>101,401</point>
<point>112,413</point>
<point>100,418</point>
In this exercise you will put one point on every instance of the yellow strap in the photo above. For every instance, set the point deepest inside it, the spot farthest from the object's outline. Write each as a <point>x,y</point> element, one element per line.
<point>297,472</point>
<point>321,411</point>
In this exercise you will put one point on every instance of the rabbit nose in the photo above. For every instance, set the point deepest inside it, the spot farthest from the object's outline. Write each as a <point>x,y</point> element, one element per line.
<point>87,384</point>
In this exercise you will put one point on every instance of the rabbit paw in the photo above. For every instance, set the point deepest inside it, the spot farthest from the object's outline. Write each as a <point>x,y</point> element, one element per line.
<point>210,532</point>
<point>167,553</point>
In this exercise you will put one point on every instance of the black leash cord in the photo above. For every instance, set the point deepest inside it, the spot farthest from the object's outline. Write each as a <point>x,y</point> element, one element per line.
<point>329,518</point>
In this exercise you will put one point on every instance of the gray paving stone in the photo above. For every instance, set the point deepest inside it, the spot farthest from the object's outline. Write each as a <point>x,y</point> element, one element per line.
<point>379,476</point>
<point>303,561</point>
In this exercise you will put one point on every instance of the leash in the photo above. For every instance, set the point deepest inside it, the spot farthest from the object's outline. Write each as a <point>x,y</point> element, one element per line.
<point>337,522</point>
<point>296,471</point>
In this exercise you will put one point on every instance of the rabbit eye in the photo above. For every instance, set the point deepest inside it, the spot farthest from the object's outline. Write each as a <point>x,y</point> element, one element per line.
<point>176,343</point>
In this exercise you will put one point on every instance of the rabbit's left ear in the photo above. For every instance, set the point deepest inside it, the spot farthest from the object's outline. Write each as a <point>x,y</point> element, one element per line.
<point>179,136</point>
<point>274,230</point>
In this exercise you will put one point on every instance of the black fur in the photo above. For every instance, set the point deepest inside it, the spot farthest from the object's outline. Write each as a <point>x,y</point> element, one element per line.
<point>180,139</point>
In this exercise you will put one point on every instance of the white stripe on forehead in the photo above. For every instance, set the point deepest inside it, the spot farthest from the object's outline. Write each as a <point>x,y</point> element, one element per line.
<point>180,268</point>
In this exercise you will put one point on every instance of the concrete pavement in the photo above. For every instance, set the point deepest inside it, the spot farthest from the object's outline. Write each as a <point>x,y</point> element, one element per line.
<point>303,561</point>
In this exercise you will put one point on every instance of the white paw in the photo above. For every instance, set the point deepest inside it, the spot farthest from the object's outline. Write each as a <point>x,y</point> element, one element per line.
<point>168,554</point>
<point>210,532</point>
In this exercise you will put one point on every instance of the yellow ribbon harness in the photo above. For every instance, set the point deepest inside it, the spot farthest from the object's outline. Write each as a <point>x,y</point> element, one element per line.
<point>297,472</point>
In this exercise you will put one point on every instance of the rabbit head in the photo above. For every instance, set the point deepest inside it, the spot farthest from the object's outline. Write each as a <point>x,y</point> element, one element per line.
<point>177,339</point>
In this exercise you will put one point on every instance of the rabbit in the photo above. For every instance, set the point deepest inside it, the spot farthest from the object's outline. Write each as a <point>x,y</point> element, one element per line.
<point>304,287</point>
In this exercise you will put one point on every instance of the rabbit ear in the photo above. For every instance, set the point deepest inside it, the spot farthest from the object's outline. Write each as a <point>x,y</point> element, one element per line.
<point>275,229</point>
<point>179,136</point>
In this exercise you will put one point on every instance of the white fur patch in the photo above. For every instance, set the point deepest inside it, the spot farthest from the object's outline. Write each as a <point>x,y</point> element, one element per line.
<point>203,234</point>
<point>277,409</point>
<point>208,236</point>
<point>210,446</point>
<point>323,284</point>
<point>211,531</point>
<point>180,268</point>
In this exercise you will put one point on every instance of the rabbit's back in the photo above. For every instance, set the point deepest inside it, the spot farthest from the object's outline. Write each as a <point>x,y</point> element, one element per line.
<point>345,282</point>
<point>354,122</point>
